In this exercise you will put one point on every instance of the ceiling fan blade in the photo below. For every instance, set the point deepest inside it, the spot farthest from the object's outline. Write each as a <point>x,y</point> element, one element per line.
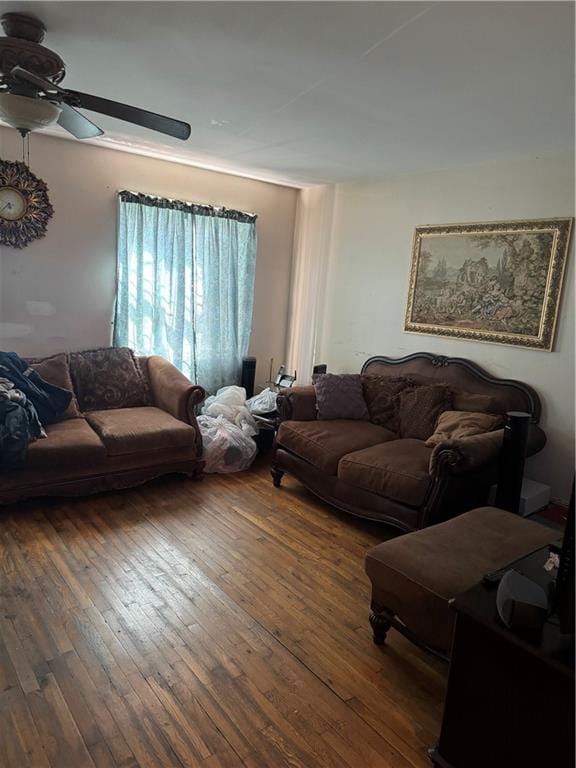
<point>75,123</point>
<point>155,122</point>
<point>33,79</point>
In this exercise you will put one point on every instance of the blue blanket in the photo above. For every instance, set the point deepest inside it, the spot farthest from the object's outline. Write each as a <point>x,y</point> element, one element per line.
<point>49,400</point>
<point>19,426</point>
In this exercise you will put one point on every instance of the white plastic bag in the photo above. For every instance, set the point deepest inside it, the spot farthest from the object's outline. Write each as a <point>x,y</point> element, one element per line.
<point>264,402</point>
<point>230,402</point>
<point>226,447</point>
<point>235,396</point>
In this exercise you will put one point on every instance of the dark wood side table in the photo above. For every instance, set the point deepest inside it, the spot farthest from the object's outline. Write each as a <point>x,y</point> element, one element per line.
<point>510,698</point>
<point>268,425</point>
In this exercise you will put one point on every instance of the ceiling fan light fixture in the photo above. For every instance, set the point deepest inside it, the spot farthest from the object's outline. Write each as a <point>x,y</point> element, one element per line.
<point>27,114</point>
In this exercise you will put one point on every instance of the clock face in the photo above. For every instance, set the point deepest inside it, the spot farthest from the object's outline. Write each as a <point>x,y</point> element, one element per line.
<point>12,204</point>
<point>25,208</point>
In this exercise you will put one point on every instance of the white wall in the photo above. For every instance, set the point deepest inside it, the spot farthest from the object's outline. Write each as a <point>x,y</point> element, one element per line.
<point>71,271</point>
<point>368,282</point>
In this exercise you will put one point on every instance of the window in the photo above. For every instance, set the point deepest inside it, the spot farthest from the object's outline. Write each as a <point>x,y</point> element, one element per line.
<point>185,287</point>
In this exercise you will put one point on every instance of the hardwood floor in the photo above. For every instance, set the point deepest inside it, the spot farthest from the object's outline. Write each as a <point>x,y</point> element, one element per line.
<point>221,623</point>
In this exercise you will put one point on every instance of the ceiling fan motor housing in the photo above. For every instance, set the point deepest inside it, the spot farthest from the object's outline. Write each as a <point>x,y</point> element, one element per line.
<point>21,47</point>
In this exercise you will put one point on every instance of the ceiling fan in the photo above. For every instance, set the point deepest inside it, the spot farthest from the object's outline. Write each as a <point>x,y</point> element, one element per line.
<point>31,97</point>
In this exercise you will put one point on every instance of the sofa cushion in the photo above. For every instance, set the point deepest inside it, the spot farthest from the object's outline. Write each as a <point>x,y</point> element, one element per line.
<point>340,396</point>
<point>69,442</point>
<point>380,394</point>
<point>419,409</point>
<point>454,425</point>
<point>55,370</point>
<point>416,575</point>
<point>323,443</point>
<point>397,469</point>
<point>108,378</point>
<point>135,430</point>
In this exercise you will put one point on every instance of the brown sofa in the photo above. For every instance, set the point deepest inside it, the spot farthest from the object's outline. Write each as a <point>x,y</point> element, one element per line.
<point>367,470</point>
<point>116,448</point>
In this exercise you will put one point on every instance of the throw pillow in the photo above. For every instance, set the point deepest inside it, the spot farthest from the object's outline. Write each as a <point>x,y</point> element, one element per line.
<point>453,425</point>
<point>380,395</point>
<point>473,402</point>
<point>419,409</point>
<point>108,378</point>
<point>340,397</point>
<point>55,370</point>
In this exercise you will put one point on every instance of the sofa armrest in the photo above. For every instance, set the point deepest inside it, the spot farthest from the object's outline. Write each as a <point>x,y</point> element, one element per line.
<point>297,404</point>
<point>473,453</point>
<point>172,391</point>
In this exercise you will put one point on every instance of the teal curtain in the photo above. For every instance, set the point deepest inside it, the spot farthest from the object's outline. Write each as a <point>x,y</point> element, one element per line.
<point>185,285</point>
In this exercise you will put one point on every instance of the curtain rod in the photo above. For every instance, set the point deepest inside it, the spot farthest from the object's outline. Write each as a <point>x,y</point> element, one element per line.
<point>131,196</point>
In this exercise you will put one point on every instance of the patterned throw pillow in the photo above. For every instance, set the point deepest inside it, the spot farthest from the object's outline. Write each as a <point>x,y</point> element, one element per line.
<point>419,409</point>
<point>55,370</point>
<point>340,397</point>
<point>453,425</point>
<point>380,395</point>
<point>108,378</point>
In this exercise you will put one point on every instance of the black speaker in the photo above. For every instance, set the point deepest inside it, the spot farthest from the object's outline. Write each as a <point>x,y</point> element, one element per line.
<point>248,375</point>
<point>512,458</point>
<point>320,368</point>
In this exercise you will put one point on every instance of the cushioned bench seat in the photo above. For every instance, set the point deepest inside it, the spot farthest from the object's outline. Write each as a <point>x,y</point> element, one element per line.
<point>415,576</point>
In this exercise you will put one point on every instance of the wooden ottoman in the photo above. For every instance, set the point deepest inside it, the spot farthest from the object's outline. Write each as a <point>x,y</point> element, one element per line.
<point>414,577</point>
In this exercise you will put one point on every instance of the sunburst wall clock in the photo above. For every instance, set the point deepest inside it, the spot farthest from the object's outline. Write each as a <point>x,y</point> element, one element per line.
<point>25,208</point>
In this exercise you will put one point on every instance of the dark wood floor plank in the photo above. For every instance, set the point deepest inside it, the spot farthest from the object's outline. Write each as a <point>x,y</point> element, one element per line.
<point>17,723</point>
<point>18,652</point>
<point>102,756</point>
<point>12,749</point>
<point>58,730</point>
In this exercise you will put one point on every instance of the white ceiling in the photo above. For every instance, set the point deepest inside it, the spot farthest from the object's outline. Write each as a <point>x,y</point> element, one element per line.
<point>322,92</point>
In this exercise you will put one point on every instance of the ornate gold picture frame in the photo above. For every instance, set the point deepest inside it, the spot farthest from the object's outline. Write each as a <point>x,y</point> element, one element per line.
<point>495,281</point>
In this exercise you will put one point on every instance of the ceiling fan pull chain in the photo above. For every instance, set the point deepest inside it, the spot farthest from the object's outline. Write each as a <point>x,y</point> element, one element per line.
<point>25,135</point>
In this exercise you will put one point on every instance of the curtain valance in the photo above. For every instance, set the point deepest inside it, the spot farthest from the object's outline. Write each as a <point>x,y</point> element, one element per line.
<point>198,209</point>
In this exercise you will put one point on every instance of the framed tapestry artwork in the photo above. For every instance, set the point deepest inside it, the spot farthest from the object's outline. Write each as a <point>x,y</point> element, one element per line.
<point>492,281</point>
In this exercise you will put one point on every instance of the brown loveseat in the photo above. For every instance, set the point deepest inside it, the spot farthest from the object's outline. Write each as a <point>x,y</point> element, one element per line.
<point>114,447</point>
<point>366,469</point>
